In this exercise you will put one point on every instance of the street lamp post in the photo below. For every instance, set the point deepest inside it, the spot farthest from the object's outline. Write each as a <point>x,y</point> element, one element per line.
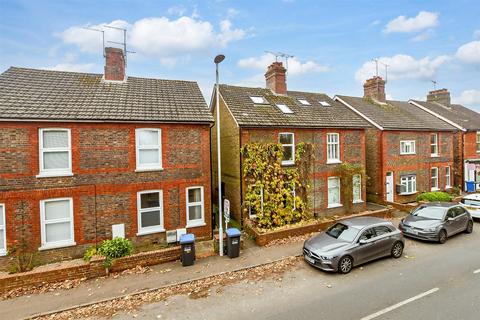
<point>219,58</point>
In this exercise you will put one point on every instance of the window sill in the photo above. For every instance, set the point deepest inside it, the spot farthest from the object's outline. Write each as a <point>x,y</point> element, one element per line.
<point>148,169</point>
<point>434,155</point>
<point>357,201</point>
<point>407,193</point>
<point>196,224</point>
<point>335,205</point>
<point>435,189</point>
<point>333,161</point>
<point>288,163</point>
<point>448,187</point>
<point>147,232</point>
<point>407,154</point>
<point>57,246</point>
<point>53,175</point>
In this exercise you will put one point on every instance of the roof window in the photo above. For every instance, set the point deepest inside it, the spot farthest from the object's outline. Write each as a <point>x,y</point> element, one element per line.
<point>258,100</point>
<point>325,104</point>
<point>284,108</point>
<point>304,102</point>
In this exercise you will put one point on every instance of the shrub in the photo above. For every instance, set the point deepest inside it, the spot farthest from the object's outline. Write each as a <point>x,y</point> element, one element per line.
<point>115,248</point>
<point>435,196</point>
<point>89,254</point>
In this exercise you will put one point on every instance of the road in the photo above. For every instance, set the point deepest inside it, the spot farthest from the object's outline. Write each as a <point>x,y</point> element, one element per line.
<point>430,281</point>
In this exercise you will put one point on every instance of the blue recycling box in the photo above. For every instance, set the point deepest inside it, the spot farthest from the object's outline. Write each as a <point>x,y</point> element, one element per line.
<point>470,186</point>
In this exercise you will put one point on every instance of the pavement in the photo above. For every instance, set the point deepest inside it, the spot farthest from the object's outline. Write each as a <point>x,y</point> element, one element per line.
<point>161,275</point>
<point>431,281</point>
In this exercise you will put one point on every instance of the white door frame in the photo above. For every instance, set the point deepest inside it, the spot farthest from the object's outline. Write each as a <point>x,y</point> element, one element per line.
<point>389,186</point>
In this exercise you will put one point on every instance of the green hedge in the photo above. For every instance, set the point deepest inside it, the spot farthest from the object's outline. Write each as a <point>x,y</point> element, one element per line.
<point>435,196</point>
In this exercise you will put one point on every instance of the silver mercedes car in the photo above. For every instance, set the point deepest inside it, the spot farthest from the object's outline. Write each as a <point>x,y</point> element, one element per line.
<point>352,242</point>
<point>437,221</point>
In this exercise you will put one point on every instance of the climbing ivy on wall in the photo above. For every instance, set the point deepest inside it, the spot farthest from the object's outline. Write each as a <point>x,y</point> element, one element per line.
<point>277,194</point>
<point>345,172</point>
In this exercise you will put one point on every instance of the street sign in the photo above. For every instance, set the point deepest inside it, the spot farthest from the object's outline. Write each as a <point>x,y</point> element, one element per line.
<point>226,211</point>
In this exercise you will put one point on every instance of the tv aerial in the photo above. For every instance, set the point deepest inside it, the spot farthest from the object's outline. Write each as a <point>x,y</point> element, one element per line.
<point>278,54</point>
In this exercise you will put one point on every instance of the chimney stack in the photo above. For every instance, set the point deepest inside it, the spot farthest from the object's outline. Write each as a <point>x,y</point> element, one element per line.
<point>276,78</point>
<point>374,88</point>
<point>441,96</point>
<point>114,64</point>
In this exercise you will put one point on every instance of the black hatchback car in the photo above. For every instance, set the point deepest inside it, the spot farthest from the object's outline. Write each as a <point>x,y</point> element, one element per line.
<point>437,221</point>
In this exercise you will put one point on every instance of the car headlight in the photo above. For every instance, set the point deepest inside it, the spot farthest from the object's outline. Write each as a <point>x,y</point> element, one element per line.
<point>431,229</point>
<point>327,257</point>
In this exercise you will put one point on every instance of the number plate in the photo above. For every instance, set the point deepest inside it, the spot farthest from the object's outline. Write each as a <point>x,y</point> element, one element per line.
<point>310,260</point>
<point>409,230</point>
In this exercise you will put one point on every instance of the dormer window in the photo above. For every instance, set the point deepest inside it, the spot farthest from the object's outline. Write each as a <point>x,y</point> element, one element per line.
<point>304,102</point>
<point>258,100</point>
<point>284,108</point>
<point>325,104</point>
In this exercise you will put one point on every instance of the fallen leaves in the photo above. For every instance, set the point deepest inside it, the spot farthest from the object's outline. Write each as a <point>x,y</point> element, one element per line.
<point>291,239</point>
<point>194,289</point>
<point>42,288</point>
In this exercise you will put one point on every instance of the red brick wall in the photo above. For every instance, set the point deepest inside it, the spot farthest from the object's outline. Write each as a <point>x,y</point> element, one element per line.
<point>104,184</point>
<point>352,150</point>
<point>419,163</point>
<point>470,145</point>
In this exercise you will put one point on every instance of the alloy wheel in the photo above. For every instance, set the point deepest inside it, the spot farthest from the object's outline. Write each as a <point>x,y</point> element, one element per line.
<point>397,250</point>
<point>442,236</point>
<point>469,227</point>
<point>345,265</point>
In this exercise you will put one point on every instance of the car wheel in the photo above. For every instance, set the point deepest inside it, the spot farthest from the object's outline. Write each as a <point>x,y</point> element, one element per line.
<point>397,249</point>
<point>345,265</point>
<point>469,227</point>
<point>442,236</point>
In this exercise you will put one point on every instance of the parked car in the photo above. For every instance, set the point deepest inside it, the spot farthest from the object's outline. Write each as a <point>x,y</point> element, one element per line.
<point>352,242</point>
<point>437,221</point>
<point>471,202</point>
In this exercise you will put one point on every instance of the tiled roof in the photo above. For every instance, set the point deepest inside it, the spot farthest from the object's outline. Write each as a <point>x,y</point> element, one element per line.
<point>314,115</point>
<point>396,115</point>
<point>57,95</point>
<point>458,114</point>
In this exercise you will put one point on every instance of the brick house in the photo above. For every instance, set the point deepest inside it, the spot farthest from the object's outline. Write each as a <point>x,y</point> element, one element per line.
<point>275,115</point>
<point>466,141</point>
<point>409,151</point>
<point>84,157</point>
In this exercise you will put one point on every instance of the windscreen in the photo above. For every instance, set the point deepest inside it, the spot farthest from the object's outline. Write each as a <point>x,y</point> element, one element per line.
<point>430,212</point>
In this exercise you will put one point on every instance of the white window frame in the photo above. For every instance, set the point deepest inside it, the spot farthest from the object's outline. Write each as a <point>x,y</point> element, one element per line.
<point>359,186</point>
<point>334,205</point>
<point>404,182</point>
<point>3,226</point>
<point>478,141</point>
<point>43,222</point>
<point>41,150</point>
<point>434,145</point>
<point>197,222</point>
<point>411,147</point>
<point>448,177</point>
<point>432,177</point>
<point>138,148</point>
<point>333,146</point>
<point>292,145</point>
<point>151,229</point>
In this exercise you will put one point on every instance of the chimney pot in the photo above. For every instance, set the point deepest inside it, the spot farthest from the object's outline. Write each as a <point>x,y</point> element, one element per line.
<point>114,64</point>
<point>374,88</point>
<point>276,78</point>
<point>441,96</point>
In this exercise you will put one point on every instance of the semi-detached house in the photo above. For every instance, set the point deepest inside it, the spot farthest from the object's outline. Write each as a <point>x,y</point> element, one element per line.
<point>409,150</point>
<point>84,157</point>
<point>277,115</point>
<point>466,141</point>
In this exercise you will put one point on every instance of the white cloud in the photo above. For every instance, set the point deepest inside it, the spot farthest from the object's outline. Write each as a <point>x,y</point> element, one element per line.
<point>74,67</point>
<point>423,36</point>
<point>167,39</point>
<point>403,66</point>
<point>422,21</point>
<point>176,10</point>
<point>469,52</point>
<point>295,66</point>
<point>469,98</point>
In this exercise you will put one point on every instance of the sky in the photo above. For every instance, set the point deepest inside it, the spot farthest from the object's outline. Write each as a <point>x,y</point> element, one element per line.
<point>333,43</point>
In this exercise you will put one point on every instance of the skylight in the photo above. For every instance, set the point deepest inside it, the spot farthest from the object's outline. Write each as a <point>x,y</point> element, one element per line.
<point>284,108</point>
<point>258,100</point>
<point>325,104</point>
<point>304,102</point>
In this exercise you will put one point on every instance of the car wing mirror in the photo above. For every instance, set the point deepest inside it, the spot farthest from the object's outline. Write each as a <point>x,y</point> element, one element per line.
<point>450,219</point>
<point>362,241</point>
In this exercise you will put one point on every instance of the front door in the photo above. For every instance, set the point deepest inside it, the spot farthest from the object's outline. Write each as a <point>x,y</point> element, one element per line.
<point>389,186</point>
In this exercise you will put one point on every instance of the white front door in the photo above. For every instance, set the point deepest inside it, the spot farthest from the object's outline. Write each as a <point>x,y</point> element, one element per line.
<point>389,186</point>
